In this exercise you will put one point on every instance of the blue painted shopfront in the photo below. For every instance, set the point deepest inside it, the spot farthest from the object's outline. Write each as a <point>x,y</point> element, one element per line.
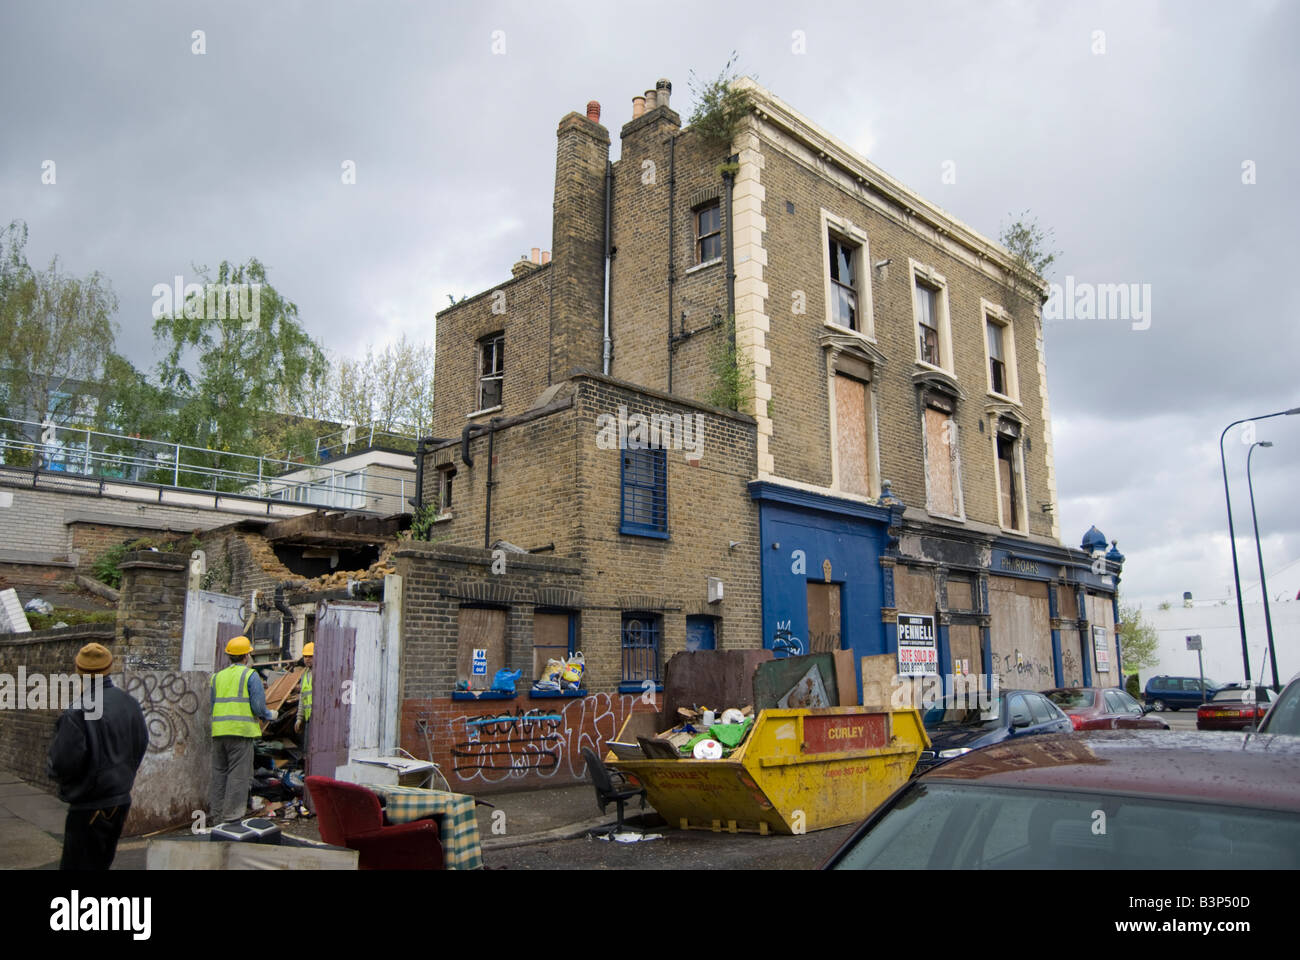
<point>803,536</point>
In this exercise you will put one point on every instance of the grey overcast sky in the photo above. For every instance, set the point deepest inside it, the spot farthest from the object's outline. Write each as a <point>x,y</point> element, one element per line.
<point>1129,128</point>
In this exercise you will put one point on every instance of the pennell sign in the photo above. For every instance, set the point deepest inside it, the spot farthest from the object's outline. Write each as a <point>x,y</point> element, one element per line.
<point>918,647</point>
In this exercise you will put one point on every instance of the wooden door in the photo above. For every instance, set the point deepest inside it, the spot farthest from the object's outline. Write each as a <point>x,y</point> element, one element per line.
<point>824,634</point>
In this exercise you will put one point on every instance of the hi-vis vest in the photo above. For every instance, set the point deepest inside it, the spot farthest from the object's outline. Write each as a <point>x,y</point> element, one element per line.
<point>232,710</point>
<point>304,696</point>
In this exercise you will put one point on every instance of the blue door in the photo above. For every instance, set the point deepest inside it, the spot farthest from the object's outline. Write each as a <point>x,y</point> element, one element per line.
<point>699,634</point>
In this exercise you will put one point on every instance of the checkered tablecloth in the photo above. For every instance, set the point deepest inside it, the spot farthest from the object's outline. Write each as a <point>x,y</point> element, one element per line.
<point>457,825</point>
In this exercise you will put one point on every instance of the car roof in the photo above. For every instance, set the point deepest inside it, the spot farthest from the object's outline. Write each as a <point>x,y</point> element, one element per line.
<point>1241,769</point>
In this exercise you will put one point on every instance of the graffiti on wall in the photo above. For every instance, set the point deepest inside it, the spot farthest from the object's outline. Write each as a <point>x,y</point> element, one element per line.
<point>1015,664</point>
<point>171,707</point>
<point>540,742</point>
<point>1070,663</point>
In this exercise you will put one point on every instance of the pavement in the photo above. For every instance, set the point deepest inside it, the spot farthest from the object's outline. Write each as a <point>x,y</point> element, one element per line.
<point>32,818</point>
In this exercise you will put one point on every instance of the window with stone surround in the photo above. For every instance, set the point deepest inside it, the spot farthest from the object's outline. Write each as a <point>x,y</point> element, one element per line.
<point>1012,501</point>
<point>932,322</point>
<point>847,288</point>
<point>1000,350</point>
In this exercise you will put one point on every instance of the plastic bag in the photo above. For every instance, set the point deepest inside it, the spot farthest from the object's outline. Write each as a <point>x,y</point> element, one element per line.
<point>553,672</point>
<point>504,681</point>
<point>574,669</point>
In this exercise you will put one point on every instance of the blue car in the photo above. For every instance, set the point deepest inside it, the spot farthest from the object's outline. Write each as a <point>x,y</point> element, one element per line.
<point>1170,693</point>
<point>1014,714</point>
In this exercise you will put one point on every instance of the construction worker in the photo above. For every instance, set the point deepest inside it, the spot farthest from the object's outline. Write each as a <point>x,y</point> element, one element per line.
<point>238,699</point>
<point>303,723</point>
<point>98,744</point>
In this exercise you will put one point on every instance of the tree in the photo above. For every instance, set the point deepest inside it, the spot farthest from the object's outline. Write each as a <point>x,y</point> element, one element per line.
<point>55,332</point>
<point>231,368</point>
<point>1028,245</point>
<point>1138,640</point>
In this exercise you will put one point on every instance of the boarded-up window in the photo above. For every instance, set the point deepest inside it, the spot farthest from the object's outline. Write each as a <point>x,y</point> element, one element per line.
<point>961,593</point>
<point>964,642</point>
<point>480,629</point>
<point>851,445</point>
<point>941,461</point>
<point>550,640</point>
<point>823,617</point>
<point>1020,629</point>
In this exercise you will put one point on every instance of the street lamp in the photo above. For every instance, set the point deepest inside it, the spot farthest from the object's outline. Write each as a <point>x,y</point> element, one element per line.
<point>1259,553</point>
<point>1232,535</point>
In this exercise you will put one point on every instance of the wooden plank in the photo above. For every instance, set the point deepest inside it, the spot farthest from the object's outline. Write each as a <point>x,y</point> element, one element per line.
<point>851,434</point>
<point>480,629</point>
<point>278,692</point>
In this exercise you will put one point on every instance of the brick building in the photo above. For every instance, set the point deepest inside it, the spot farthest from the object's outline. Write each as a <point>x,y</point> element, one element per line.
<point>892,457</point>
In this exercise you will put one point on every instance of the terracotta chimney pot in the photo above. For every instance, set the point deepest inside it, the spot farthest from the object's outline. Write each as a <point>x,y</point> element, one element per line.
<point>593,111</point>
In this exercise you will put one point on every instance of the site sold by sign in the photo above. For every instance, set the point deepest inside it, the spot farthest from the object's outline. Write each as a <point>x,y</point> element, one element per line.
<point>918,647</point>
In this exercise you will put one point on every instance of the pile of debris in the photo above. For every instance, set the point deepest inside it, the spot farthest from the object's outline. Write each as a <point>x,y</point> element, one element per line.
<point>340,578</point>
<point>700,733</point>
<point>279,760</point>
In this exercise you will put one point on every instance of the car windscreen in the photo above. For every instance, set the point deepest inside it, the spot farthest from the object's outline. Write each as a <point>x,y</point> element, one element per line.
<point>1072,699</point>
<point>942,826</point>
<point>1284,715</point>
<point>965,716</point>
<point>1235,695</point>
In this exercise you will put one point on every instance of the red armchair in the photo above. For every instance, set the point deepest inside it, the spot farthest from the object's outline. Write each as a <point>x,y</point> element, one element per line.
<point>350,816</point>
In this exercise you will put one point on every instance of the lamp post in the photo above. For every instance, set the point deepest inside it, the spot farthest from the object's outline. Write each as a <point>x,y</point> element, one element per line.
<point>1259,553</point>
<point>1232,535</point>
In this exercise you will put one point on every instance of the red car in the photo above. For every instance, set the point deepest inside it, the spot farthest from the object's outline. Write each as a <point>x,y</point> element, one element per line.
<point>1235,708</point>
<point>1095,708</point>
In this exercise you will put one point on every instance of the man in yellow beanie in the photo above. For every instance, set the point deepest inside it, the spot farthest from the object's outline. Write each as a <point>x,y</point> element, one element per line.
<point>238,699</point>
<point>97,748</point>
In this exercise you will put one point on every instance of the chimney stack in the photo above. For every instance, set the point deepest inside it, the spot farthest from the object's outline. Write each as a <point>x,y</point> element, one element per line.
<point>663,90</point>
<point>578,244</point>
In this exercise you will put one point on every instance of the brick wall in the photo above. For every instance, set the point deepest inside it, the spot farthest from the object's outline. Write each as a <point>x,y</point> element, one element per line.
<point>25,735</point>
<point>151,610</point>
<point>240,561</point>
<point>90,541</point>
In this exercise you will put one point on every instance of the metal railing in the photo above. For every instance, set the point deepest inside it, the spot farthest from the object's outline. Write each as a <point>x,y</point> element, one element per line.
<point>83,452</point>
<point>399,437</point>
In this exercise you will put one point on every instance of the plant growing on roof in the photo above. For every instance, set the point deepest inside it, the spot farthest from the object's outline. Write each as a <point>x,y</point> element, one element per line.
<point>1028,245</point>
<point>719,106</point>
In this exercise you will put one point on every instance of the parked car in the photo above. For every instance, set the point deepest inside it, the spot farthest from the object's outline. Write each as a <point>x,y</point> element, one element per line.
<point>1173,693</point>
<point>1097,708</point>
<point>1235,708</point>
<point>1015,713</point>
<point>1109,799</point>
<point>1284,716</point>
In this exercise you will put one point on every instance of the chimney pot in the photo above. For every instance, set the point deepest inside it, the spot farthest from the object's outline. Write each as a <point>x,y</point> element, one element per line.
<point>650,101</point>
<point>536,257</point>
<point>593,111</point>
<point>663,90</point>
<point>546,257</point>
<point>638,106</point>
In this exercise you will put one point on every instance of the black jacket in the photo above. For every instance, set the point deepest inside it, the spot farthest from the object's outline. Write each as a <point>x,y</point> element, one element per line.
<point>94,761</point>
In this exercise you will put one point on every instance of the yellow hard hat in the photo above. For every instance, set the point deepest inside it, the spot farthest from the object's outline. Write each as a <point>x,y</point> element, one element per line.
<point>238,646</point>
<point>309,650</point>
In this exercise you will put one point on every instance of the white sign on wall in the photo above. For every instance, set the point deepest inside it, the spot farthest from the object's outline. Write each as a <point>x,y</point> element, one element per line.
<point>918,646</point>
<point>1101,648</point>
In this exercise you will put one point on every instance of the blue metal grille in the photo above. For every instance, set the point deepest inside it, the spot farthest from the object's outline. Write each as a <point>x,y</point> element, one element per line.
<point>645,492</point>
<point>640,648</point>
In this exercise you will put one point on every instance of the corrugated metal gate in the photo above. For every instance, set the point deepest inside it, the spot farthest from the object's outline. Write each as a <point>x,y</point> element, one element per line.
<point>347,684</point>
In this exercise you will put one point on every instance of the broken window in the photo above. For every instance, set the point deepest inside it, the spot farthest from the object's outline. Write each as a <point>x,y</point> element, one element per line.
<point>997,359</point>
<point>1011,490</point>
<point>708,233</point>
<point>927,301</point>
<point>645,493</point>
<point>491,370</point>
<point>641,633</point>
<point>844,285</point>
<point>445,476</point>
<point>943,488</point>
